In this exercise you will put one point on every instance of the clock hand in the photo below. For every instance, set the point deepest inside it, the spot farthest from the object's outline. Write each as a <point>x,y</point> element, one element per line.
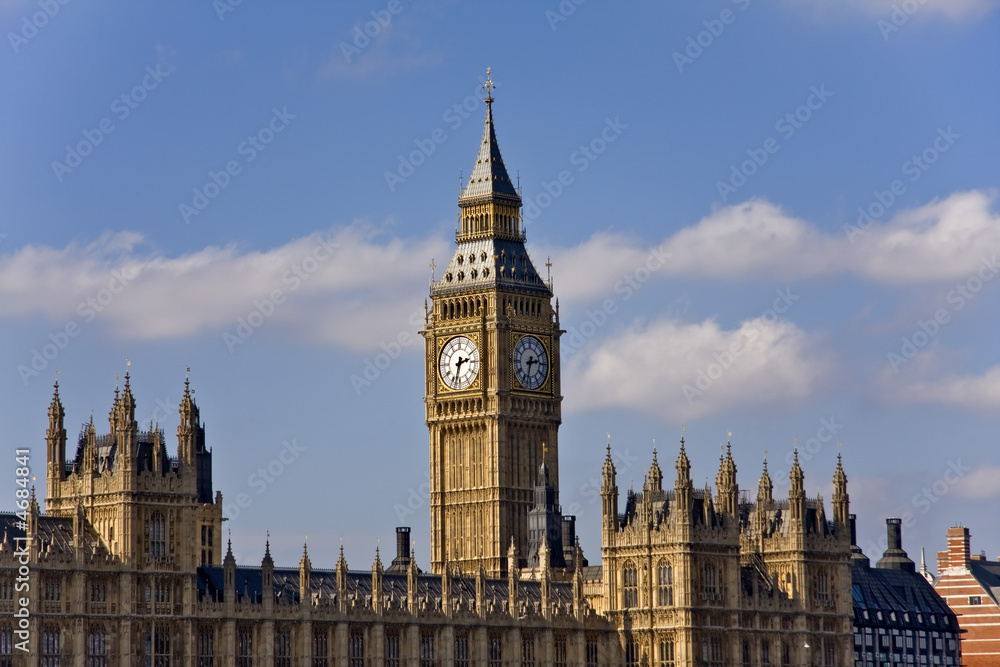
<point>458,364</point>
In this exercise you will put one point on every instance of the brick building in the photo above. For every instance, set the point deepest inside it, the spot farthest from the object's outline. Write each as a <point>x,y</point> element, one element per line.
<point>971,586</point>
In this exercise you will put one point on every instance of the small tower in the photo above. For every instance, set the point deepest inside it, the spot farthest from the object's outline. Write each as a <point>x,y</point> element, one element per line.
<point>654,480</point>
<point>342,581</point>
<point>55,439</point>
<point>305,574</point>
<point>683,487</point>
<point>545,523</point>
<point>377,573</point>
<point>267,577</point>
<point>609,495</point>
<point>797,494</point>
<point>543,576</point>
<point>229,576</point>
<point>765,500</point>
<point>841,501</point>
<point>411,582</point>
<point>727,489</point>
<point>513,574</point>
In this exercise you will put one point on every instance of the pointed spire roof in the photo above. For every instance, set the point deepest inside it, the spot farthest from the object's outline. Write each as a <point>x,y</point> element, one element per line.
<point>609,464</point>
<point>765,487</point>
<point>683,464</point>
<point>56,408</point>
<point>795,475</point>
<point>839,477</point>
<point>489,177</point>
<point>267,551</point>
<point>305,563</point>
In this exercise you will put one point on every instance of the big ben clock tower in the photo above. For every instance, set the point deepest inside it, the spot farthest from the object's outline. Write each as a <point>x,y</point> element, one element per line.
<point>492,377</point>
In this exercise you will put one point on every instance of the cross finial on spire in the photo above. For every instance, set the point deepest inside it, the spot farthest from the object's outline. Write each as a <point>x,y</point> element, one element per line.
<point>489,86</point>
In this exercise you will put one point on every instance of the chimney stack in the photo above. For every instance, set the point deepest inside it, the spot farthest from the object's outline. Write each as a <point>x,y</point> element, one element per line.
<point>894,557</point>
<point>958,546</point>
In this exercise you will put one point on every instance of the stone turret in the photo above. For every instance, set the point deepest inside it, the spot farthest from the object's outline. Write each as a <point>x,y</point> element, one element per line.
<point>609,494</point>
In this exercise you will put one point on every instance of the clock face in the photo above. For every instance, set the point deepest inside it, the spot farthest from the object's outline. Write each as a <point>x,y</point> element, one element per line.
<point>531,363</point>
<point>459,362</point>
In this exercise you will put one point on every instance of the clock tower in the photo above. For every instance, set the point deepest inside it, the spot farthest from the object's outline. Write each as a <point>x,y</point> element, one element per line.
<point>492,377</point>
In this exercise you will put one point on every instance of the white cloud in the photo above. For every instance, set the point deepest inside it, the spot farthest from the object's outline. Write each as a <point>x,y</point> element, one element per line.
<point>673,370</point>
<point>980,484</point>
<point>347,288</point>
<point>978,392</point>
<point>944,240</point>
<point>956,10</point>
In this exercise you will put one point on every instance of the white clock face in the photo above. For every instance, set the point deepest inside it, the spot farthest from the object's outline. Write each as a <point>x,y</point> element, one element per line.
<point>459,362</point>
<point>531,363</point>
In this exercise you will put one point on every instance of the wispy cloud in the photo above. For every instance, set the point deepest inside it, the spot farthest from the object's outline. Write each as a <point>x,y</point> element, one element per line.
<point>969,392</point>
<point>955,10</point>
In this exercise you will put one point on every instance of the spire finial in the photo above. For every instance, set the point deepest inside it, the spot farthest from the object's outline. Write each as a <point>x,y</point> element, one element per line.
<point>489,86</point>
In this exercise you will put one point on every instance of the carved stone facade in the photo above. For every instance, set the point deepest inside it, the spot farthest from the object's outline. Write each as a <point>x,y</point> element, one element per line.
<point>126,568</point>
<point>689,579</point>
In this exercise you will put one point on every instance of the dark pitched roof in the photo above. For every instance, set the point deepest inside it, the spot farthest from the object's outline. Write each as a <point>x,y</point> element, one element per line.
<point>323,586</point>
<point>987,573</point>
<point>898,598</point>
<point>55,534</point>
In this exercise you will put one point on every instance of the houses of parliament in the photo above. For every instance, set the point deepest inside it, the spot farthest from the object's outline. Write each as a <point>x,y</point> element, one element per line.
<point>127,565</point>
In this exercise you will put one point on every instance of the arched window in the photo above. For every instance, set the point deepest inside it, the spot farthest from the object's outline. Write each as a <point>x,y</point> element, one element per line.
<point>665,584</point>
<point>50,646</point>
<point>157,536</point>
<point>667,653</point>
<point>97,647</point>
<point>156,647</point>
<point>822,586</point>
<point>6,644</point>
<point>630,586</point>
<point>710,580</point>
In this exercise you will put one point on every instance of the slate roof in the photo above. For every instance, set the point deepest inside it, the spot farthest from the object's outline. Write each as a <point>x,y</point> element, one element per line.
<point>323,586</point>
<point>489,177</point>
<point>55,534</point>
<point>987,573</point>
<point>897,598</point>
<point>472,267</point>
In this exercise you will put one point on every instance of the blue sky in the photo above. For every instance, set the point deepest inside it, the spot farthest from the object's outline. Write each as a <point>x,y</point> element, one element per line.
<point>170,170</point>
